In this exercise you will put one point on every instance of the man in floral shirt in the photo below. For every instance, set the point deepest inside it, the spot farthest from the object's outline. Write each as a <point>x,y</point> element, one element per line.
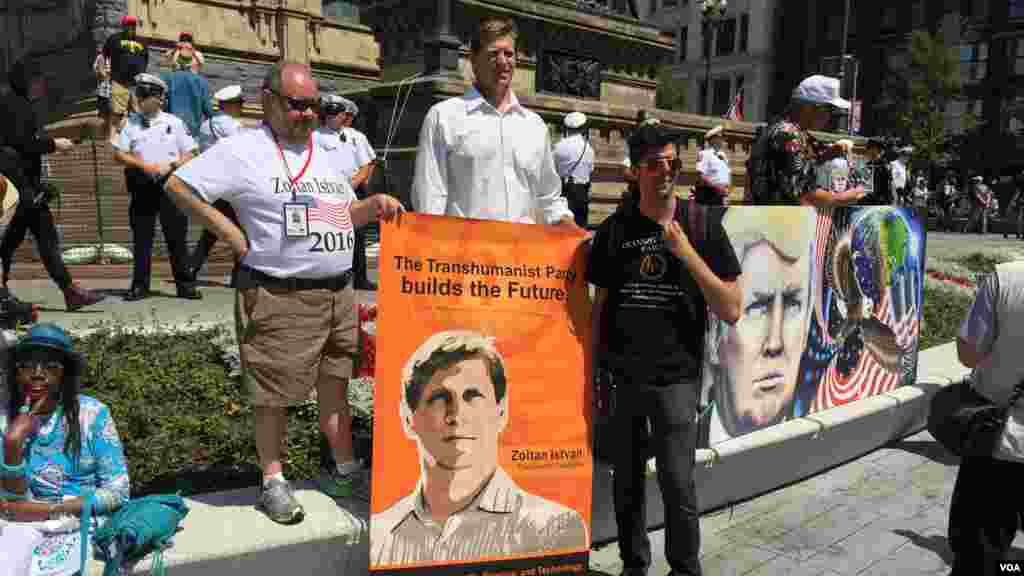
<point>793,155</point>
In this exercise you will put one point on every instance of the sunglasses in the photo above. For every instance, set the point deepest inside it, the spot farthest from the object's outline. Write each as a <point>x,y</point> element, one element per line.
<point>298,104</point>
<point>32,365</point>
<point>674,165</point>
<point>146,92</point>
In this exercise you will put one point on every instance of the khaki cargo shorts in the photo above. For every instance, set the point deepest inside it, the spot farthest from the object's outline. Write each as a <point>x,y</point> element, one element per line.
<point>120,99</point>
<point>290,339</point>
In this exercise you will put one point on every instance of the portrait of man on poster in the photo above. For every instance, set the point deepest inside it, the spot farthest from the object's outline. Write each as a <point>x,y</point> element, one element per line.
<point>753,366</point>
<point>455,407</point>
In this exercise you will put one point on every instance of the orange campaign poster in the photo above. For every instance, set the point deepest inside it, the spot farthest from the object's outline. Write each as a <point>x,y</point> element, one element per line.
<point>481,432</point>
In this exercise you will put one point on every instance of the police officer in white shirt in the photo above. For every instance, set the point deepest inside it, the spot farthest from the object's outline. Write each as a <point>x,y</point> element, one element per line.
<point>355,160</point>
<point>574,160</point>
<point>152,145</point>
<point>296,310</point>
<point>483,155</point>
<point>713,170</point>
<point>231,100</point>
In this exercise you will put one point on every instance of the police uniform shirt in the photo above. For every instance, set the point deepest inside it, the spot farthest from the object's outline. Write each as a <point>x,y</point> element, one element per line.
<point>714,166</point>
<point>364,152</point>
<point>220,126</point>
<point>574,156</point>
<point>343,154</point>
<point>163,140</point>
<point>250,176</point>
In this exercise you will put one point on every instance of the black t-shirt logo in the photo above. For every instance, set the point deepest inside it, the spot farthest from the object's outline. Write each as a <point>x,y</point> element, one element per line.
<point>653,266</point>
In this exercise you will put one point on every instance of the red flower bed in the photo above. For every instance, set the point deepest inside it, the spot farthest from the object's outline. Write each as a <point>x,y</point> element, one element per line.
<point>367,340</point>
<point>952,279</point>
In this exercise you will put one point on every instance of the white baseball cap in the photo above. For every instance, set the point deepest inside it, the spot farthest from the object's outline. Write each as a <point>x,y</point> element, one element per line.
<point>575,120</point>
<point>820,89</point>
<point>228,93</point>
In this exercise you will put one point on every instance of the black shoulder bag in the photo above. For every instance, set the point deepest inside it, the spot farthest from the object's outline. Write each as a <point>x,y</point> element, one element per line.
<point>967,423</point>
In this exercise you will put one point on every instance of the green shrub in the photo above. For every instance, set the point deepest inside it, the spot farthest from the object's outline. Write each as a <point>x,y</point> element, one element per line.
<point>185,424</point>
<point>981,262</point>
<point>943,312</point>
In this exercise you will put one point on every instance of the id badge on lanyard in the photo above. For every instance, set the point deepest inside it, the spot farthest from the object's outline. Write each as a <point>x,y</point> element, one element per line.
<point>296,214</point>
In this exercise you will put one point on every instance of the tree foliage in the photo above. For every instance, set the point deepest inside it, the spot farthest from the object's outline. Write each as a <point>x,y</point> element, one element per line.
<point>671,92</point>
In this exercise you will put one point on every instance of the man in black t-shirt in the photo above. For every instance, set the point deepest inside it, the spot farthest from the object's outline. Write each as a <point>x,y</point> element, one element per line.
<point>128,58</point>
<point>656,274</point>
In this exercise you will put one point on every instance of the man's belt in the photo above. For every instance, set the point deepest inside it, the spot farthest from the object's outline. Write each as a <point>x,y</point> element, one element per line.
<point>249,277</point>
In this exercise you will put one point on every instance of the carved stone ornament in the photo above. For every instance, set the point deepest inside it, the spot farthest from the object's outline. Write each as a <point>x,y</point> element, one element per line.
<point>570,75</point>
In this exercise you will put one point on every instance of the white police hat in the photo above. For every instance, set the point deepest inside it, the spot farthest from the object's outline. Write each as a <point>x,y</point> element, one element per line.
<point>145,79</point>
<point>351,107</point>
<point>820,89</point>
<point>575,120</point>
<point>228,93</point>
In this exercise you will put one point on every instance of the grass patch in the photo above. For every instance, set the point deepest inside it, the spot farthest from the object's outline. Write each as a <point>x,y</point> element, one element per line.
<point>943,312</point>
<point>186,425</point>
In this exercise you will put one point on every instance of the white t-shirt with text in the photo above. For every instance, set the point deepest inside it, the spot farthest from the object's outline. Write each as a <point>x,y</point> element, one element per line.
<point>246,170</point>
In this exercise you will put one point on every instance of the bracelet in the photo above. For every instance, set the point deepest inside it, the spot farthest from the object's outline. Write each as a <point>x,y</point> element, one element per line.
<point>25,409</point>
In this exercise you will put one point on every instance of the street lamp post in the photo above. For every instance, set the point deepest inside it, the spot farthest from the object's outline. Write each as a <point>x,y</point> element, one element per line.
<point>711,12</point>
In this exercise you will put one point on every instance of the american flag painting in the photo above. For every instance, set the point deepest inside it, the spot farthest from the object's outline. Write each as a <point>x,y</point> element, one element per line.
<point>336,215</point>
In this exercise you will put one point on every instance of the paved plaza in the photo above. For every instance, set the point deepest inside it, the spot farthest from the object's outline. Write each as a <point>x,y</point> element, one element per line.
<point>884,513</point>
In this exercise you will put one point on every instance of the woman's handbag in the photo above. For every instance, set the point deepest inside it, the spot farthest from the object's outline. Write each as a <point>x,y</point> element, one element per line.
<point>967,423</point>
<point>140,527</point>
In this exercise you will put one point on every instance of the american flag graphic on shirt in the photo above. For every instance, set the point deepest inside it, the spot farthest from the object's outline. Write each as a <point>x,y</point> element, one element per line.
<point>336,215</point>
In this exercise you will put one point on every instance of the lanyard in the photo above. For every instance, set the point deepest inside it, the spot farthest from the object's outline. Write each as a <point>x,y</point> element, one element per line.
<point>287,171</point>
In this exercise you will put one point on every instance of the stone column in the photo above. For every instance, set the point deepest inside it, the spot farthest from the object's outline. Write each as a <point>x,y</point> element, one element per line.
<point>441,48</point>
<point>293,25</point>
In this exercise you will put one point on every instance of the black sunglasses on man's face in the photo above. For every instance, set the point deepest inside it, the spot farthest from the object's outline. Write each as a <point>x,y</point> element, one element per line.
<point>298,104</point>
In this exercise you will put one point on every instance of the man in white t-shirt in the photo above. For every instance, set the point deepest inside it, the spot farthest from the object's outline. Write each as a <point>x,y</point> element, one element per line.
<point>152,145</point>
<point>483,155</point>
<point>713,170</point>
<point>898,168</point>
<point>295,306</point>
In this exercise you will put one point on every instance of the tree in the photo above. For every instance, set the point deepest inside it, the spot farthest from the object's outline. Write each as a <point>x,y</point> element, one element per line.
<point>671,92</point>
<point>916,99</point>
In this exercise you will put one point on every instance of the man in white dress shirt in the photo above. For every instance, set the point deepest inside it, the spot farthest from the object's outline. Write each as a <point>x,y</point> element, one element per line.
<point>574,160</point>
<point>483,155</point>
<point>713,170</point>
<point>365,157</point>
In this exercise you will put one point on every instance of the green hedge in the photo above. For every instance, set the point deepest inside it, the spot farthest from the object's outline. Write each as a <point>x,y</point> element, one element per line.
<point>186,424</point>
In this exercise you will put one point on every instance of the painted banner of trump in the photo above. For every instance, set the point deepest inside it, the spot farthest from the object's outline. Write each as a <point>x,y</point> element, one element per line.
<point>830,315</point>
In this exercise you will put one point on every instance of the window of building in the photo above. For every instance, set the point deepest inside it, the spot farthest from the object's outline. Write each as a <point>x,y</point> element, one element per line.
<point>890,17</point>
<point>669,3</point>
<point>683,39</point>
<point>852,26</point>
<point>1016,8</point>
<point>973,62</point>
<point>977,9</point>
<point>919,14</point>
<point>960,110</point>
<point>745,33</point>
<point>834,28</point>
<point>703,96</point>
<point>1016,56</point>
<point>726,37</point>
<point>341,10</point>
<point>723,96</point>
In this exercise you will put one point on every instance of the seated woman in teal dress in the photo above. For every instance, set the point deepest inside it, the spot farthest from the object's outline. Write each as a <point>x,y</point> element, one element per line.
<point>60,446</point>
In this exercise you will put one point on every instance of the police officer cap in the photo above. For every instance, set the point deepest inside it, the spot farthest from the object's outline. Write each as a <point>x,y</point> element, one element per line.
<point>228,93</point>
<point>575,120</point>
<point>332,104</point>
<point>145,79</point>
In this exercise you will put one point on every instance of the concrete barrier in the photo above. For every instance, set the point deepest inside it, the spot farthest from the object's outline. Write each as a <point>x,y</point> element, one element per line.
<point>224,534</point>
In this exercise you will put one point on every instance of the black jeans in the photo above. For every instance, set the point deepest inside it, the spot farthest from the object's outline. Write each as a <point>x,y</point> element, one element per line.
<point>984,514</point>
<point>39,220</point>
<point>578,197</point>
<point>208,239</point>
<point>670,409</point>
<point>148,201</point>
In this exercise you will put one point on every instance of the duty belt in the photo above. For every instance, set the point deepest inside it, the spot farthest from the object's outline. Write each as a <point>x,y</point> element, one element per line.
<point>249,277</point>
